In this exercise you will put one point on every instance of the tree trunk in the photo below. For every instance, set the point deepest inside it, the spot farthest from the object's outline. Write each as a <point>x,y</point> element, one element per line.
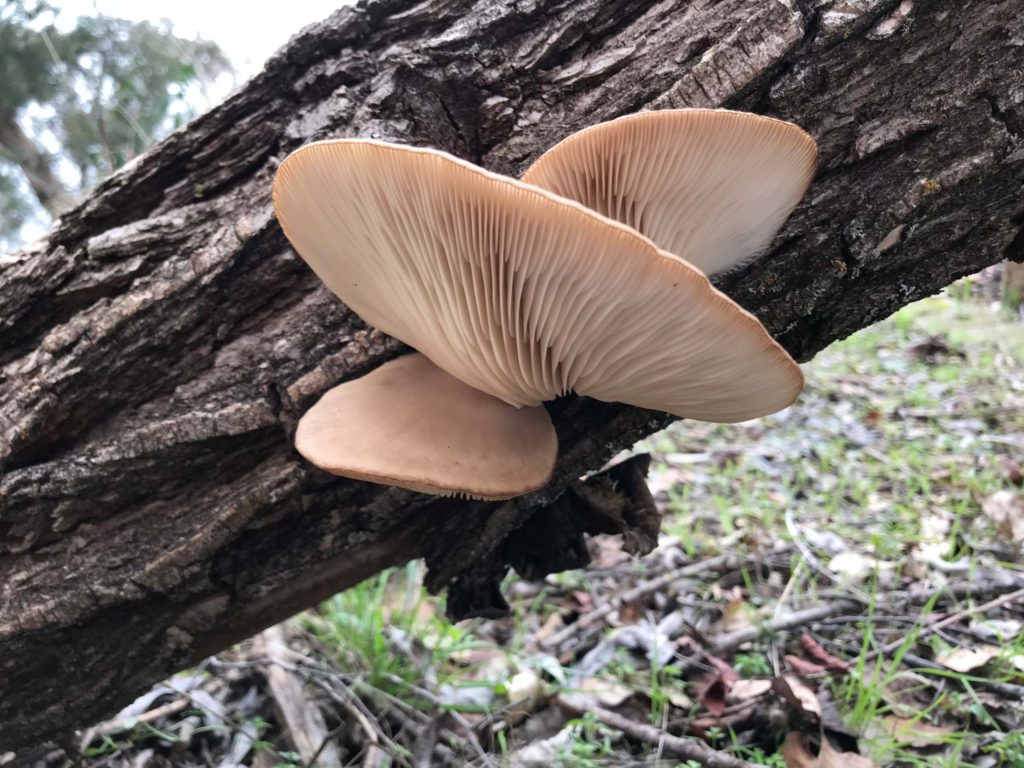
<point>157,350</point>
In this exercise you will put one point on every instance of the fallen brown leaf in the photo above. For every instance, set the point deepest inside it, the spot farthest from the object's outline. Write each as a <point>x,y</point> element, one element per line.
<point>717,683</point>
<point>966,659</point>
<point>1006,511</point>
<point>796,755</point>
<point>736,616</point>
<point>813,649</point>
<point>802,667</point>
<point>744,690</point>
<point>914,733</point>
<point>798,694</point>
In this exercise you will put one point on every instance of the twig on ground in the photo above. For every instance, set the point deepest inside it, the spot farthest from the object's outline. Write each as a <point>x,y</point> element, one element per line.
<point>120,724</point>
<point>456,718</point>
<point>677,746</point>
<point>340,693</point>
<point>997,582</point>
<point>425,743</point>
<point>732,640</point>
<point>812,560</point>
<point>408,715</point>
<point>640,590</point>
<point>1014,693</point>
<point>375,757</point>
<point>952,619</point>
<point>303,721</point>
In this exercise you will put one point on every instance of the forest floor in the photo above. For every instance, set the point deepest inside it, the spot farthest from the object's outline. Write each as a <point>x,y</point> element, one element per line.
<point>840,584</point>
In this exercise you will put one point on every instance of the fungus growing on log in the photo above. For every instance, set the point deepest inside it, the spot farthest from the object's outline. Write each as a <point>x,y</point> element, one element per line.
<point>514,291</point>
<point>710,185</point>
<point>409,423</point>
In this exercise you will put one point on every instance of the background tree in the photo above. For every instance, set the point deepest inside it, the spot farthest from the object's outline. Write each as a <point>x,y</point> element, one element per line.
<point>76,105</point>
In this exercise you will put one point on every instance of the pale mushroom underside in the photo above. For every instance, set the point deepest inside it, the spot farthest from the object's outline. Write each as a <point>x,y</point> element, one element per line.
<point>409,423</point>
<point>712,186</point>
<point>520,293</point>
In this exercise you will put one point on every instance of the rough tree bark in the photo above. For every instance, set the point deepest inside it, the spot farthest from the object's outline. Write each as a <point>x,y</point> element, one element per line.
<point>157,349</point>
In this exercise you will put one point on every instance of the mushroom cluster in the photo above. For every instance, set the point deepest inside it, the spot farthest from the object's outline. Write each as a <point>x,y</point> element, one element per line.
<point>588,276</point>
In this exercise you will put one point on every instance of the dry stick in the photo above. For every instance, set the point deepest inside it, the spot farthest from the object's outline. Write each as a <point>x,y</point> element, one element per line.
<point>641,589</point>
<point>731,640</point>
<point>952,619</point>
<point>412,719</point>
<point>348,701</point>
<point>795,577</point>
<point>812,560</point>
<point>1015,693</point>
<point>425,743</point>
<point>317,673</point>
<point>457,718</point>
<point>327,740</point>
<point>303,721</point>
<point>677,746</point>
<point>375,757</point>
<point>994,583</point>
<point>408,715</point>
<point>121,724</point>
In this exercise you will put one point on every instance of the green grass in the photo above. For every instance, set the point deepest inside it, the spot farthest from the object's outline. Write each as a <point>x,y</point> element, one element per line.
<point>886,455</point>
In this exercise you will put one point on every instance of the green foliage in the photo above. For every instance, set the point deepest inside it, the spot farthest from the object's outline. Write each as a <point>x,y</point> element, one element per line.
<point>101,91</point>
<point>386,630</point>
<point>126,84</point>
<point>752,665</point>
<point>16,208</point>
<point>591,745</point>
<point>26,61</point>
<point>1008,750</point>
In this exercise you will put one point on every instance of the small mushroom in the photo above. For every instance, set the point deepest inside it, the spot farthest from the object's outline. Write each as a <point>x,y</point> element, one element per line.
<point>513,291</point>
<point>409,423</point>
<point>710,185</point>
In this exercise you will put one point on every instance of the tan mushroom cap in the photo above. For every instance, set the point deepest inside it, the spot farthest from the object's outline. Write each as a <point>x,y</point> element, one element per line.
<point>520,293</point>
<point>710,185</point>
<point>409,423</point>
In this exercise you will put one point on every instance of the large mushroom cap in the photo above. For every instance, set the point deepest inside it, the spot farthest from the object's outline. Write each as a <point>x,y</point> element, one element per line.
<point>409,423</point>
<point>520,293</point>
<point>709,185</point>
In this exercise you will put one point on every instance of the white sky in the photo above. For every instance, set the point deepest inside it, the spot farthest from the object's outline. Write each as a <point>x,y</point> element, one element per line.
<point>249,33</point>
